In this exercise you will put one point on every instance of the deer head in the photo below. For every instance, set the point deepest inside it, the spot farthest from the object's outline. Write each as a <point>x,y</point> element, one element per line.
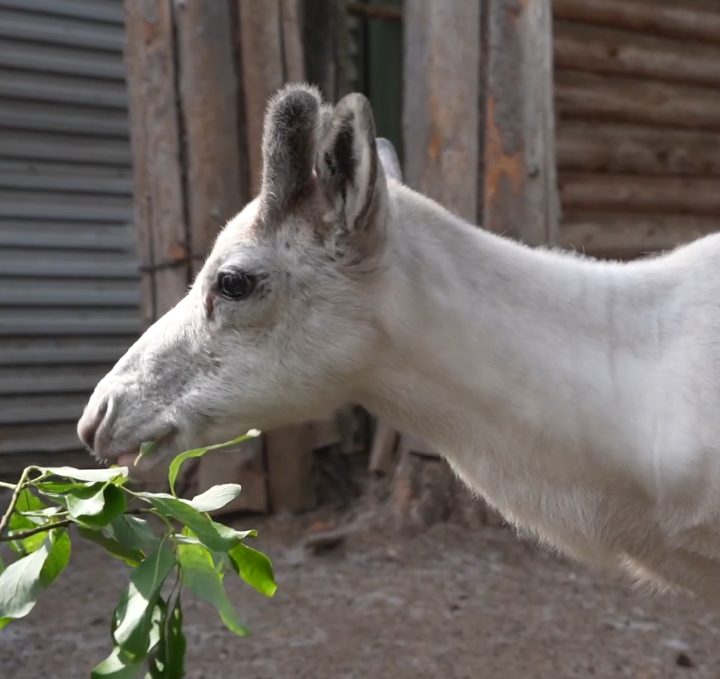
<point>279,325</point>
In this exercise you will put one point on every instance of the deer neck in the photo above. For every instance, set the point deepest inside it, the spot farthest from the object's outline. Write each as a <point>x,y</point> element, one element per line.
<point>493,348</point>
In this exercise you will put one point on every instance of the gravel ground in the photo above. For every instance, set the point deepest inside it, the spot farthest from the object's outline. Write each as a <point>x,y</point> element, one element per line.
<point>447,604</point>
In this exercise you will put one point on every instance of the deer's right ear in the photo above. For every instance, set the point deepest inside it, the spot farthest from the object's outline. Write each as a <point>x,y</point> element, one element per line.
<point>347,164</point>
<point>289,146</point>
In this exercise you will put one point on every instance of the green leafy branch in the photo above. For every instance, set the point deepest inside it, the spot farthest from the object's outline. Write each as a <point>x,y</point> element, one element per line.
<point>147,623</point>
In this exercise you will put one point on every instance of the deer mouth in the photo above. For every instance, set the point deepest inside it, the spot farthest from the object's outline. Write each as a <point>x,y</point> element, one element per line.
<point>137,461</point>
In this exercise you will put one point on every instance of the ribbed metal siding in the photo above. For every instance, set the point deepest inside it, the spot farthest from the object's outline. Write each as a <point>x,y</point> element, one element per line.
<point>69,286</point>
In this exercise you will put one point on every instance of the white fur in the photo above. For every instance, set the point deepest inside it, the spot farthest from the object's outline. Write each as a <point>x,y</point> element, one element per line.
<point>580,398</point>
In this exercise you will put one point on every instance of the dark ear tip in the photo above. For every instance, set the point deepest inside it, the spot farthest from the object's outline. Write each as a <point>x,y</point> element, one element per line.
<point>357,105</point>
<point>295,103</point>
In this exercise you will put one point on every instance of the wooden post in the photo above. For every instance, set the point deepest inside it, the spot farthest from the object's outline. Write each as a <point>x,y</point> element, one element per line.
<point>326,37</point>
<point>441,123</point>
<point>156,142</point>
<point>272,55</point>
<point>210,97</point>
<point>520,182</point>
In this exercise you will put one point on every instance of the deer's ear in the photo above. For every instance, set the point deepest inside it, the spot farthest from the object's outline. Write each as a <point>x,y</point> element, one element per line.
<point>347,163</point>
<point>289,146</point>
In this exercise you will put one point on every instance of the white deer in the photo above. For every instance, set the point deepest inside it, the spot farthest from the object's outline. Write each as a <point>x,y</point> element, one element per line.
<point>580,398</point>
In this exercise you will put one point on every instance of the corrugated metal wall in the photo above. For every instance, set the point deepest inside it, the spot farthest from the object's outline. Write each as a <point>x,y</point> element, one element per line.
<point>69,287</point>
<point>637,93</point>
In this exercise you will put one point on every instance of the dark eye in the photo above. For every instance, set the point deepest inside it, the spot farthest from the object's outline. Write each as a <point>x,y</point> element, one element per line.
<point>236,285</point>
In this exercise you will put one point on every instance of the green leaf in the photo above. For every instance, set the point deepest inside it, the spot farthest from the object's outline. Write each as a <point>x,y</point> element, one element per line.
<point>253,567</point>
<point>58,558</point>
<point>168,660</point>
<point>175,644</point>
<point>199,452</point>
<point>200,576</point>
<point>132,557</point>
<point>216,497</point>
<point>133,532</point>
<point>117,666</point>
<point>27,502</point>
<point>94,475</point>
<point>158,620</point>
<point>21,584</point>
<point>133,614</point>
<point>214,536</point>
<point>147,448</point>
<point>156,659</point>
<point>57,487</point>
<point>96,505</point>
<point>186,539</point>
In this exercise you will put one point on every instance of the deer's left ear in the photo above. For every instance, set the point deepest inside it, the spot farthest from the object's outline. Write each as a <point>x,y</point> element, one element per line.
<point>347,165</point>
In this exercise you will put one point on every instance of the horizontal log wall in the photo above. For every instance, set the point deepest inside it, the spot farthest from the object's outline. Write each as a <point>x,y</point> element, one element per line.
<point>637,99</point>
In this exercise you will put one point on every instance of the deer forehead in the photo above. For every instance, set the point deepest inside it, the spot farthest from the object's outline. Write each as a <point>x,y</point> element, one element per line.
<point>294,244</point>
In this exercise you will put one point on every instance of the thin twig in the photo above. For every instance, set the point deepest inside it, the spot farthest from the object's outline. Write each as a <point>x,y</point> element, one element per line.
<point>34,531</point>
<point>9,486</point>
<point>13,501</point>
<point>21,535</point>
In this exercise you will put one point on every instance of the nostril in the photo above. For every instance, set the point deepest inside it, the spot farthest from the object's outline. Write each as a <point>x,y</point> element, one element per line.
<point>90,423</point>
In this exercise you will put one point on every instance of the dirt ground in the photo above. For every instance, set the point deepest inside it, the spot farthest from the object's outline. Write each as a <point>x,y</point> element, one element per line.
<point>449,604</point>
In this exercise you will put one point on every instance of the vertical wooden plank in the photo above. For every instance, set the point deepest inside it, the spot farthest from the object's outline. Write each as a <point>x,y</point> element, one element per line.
<point>243,464</point>
<point>154,117</point>
<point>288,451</point>
<point>520,184</point>
<point>263,71</point>
<point>209,95</point>
<point>383,447</point>
<point>440,112</point>
<point>293,52</point>
<point>326,37</point>
<point>385,82</point>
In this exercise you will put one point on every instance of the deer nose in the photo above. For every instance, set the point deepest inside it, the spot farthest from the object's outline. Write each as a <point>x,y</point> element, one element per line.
<point>91,421</point>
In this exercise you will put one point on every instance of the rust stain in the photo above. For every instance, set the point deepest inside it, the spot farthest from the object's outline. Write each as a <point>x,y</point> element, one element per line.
<point>434,146</point>
<point>435,142</point>
<point>498,164</point>
<point>177,253</point>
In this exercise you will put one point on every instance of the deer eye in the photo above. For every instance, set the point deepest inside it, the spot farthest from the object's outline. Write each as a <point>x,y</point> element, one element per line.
<point>236,285</point>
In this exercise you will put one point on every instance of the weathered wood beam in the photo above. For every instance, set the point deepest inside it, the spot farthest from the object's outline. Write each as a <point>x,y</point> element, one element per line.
<point>520,194</point>
<point>589,96</point>
<point>291,481</point>
<point>329,63</point>
<point>210,97</point>
<point>441,123</point>
<point>603,50</point>
<point>630,149</point>
<point>625,236</point>
<point>588,192</point>
<point>685,19</point>
<point>155,121</point>
<point>272,55</point>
